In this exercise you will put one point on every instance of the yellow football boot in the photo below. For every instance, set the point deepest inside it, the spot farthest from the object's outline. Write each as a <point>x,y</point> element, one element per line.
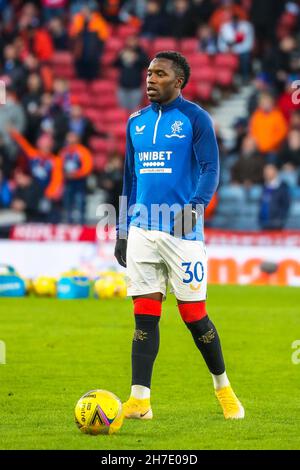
<point>232,407</point>
<point>137,409</point>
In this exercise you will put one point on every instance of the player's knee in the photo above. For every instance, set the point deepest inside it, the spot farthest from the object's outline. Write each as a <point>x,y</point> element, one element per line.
<point>199,328</point>
<point>192,311</point>
<point>146,310</point>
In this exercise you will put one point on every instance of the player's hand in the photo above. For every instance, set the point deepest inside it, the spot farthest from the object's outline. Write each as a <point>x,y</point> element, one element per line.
<point>184,221</point>
<point>120,251</point>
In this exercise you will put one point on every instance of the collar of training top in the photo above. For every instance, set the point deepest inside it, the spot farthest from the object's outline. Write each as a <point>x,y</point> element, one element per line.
<point>172,104</point>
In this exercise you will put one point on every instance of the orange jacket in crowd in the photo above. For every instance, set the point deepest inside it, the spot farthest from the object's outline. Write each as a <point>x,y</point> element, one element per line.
<point>97,24</point>
<point>77,161</point>
<point>268,129</point>
<point>223,15</point>
<point>211,208</point>
<point>45,168</point>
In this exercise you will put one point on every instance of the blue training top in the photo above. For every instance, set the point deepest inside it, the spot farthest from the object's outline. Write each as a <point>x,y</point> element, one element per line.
<point>171,158</point>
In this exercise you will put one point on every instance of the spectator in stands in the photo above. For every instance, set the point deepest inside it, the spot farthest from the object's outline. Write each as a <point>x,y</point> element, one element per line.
<point>156,22</point>
<point>53,120</point>
<point>275,201</point>
<point>110,9</point>
<point>207,40</point>
<point>264,16</point>
<point>89,31</point>
<point>61,94</point>
<point>248,169</point>
<point>277,61</point>
<point>261,83</point>
<point>182,21</point>
<point>131,62</point>
<point>203,9</point>
<point>210,210</point>
<point>12,67</point>
<point>224,13</point>
<point>80,124</point>
<point>37,39</point>
<point>288,101</point>
<point>112,179</point>
<point>77,166</point>
<point>237,36</point>
<point>27,196</point>
<point>31,102</point>
<point>32,65</point>
<point>11,113</point>
<point>295,120</point>
<point>289,156</point>
<point>58,33</point>
<point>5,192</point>
<point>240,127</point>
<point>53,9</point>
<point>268,126</point>
<point>6,163</point>
<point>133,12</point>
<point>45,167</point>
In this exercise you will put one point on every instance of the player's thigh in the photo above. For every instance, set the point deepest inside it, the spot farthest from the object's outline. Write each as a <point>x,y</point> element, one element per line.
<point>187,267</point>
<point>146,271</point>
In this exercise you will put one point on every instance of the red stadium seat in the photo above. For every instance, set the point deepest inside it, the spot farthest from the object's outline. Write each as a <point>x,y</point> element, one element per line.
<point>84,99</point>
<point>100,161</point>
<point>99,145</point>
<point>78,86</point>
<point>63,71</point>
<point>110,73</point>
<point>204,74</point>
<point>125,30</point>
<point>204,91</point>
<point>197,60</point>
<point>94,115</point>
<point>146,44</point>
<point>188,46</point>
<point>103,87</point>
<point>227,61</point>
<point>114,44</point>
<point>117,130</point>
<point>224,77</point>
<point>105,102</point>
<point>62,58</point>
<point>189,91</point>
<point>121,146</point>
<point>115,116</point>
<point>163,44</point>
<point>108,58</point>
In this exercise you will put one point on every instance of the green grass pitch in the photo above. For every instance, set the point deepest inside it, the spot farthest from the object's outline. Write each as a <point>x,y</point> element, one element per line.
<point>58,350</point>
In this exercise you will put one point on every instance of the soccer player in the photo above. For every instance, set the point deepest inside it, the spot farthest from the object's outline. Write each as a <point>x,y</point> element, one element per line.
<point>171,161</point>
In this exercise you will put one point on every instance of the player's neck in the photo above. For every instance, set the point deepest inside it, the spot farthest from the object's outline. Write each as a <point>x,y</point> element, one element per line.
<point>167,102</point>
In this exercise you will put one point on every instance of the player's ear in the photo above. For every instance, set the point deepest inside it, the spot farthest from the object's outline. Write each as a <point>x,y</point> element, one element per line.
<point>179,82</point>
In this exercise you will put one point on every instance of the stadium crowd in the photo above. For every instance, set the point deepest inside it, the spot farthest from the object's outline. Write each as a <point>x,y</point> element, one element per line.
<point>74,71</point>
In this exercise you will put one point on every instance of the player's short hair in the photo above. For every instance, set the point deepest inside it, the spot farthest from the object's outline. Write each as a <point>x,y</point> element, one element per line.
<point>180,64</point>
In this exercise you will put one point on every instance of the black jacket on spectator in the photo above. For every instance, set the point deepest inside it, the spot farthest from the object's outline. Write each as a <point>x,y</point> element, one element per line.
<point>183,26</point>
<point>31,195</point>
<point>155,25</point>
<point>131,75</point>
<point>288,155</point>
<point>274,207</point>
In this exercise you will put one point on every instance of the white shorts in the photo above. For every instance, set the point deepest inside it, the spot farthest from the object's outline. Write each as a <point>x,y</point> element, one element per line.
<point>155,258</point>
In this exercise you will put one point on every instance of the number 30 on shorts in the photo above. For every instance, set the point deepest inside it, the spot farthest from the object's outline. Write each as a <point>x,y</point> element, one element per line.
<point>193,272</point>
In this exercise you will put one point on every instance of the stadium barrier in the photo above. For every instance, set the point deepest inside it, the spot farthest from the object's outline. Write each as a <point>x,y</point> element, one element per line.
<point>266,258</point>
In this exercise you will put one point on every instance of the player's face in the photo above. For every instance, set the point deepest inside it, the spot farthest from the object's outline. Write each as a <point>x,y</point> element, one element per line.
<point>162,83</point>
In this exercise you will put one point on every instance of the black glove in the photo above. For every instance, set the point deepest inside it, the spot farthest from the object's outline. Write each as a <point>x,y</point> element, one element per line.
<point>120,251</point>
<point>184,221</point>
